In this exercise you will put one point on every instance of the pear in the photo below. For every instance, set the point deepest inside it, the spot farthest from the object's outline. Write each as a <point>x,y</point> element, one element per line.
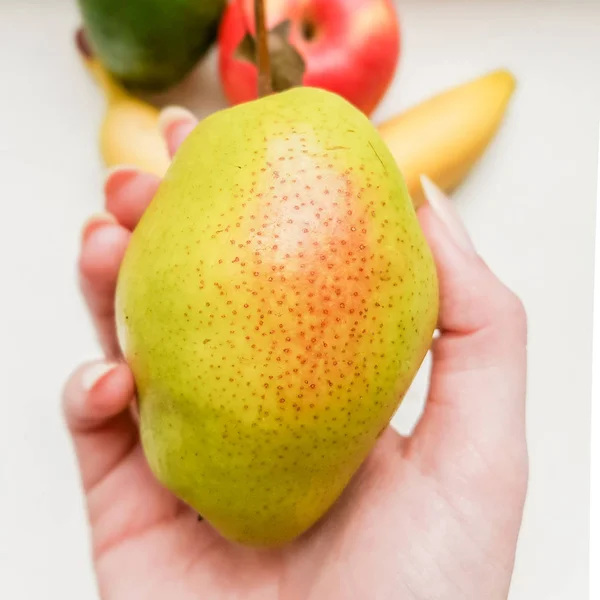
<point>274,304</point>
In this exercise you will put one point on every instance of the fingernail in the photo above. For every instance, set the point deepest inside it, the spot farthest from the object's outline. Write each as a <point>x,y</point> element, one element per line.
<point>445,211</point>
<point>94,373</point>
<point>117,177</point>
<point>94,223</point>
<point>174,116</point>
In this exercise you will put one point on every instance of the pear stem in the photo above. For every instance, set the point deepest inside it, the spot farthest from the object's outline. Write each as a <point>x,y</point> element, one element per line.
<point>265,86</point>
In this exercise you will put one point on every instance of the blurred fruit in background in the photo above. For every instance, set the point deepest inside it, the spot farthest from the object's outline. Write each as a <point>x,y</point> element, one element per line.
<point>350,47</point>
<point>444,136</point>
<point>129,133</point>
<point>150,44</point>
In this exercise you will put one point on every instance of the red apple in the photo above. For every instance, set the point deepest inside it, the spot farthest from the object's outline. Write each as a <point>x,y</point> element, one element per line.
<point>350,47</point>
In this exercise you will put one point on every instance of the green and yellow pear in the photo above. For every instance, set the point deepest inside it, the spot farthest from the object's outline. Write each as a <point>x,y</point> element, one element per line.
<point>274,304</point>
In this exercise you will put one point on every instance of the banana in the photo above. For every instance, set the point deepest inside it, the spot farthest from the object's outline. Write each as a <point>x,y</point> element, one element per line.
<point>444,136</point>
<point>129,134</point>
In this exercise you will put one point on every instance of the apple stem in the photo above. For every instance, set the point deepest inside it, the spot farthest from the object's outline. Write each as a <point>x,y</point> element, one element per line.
<point>265,86</point>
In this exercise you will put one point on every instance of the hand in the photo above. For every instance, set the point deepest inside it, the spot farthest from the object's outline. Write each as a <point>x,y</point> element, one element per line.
<point>433,516</point>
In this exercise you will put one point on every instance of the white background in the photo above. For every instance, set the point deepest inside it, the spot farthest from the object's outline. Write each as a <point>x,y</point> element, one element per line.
<point>595,430</point>
<point>529,206</point>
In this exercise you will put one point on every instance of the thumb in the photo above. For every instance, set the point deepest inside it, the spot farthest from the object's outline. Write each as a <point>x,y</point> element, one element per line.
<point>478,377</point>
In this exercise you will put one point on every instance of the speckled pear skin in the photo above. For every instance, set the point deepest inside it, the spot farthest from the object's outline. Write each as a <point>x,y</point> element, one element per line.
<point>274,304</point>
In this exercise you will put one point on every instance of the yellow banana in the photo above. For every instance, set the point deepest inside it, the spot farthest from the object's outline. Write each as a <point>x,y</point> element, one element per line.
<point>444,136</point>
<point>129,133</point>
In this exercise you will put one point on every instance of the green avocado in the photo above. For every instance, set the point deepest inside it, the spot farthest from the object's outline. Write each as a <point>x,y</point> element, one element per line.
<point>150,44</point>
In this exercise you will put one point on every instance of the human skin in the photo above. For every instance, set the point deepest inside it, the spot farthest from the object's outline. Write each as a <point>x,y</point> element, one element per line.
<point>432,516</point>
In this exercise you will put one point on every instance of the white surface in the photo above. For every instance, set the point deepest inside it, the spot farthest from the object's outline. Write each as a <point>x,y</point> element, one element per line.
<point>595,429</point>
<point>529,206</point>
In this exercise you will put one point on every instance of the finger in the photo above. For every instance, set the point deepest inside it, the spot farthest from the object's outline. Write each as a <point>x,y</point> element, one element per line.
<point>479,359</point>
<point>128,192</point>
<point>103,247</point>
<point>176,123</point>
<point>95,403</point>
<point>124,499</point>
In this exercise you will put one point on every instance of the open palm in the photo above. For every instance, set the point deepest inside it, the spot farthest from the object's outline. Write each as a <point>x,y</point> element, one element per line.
<point>433,516</point>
